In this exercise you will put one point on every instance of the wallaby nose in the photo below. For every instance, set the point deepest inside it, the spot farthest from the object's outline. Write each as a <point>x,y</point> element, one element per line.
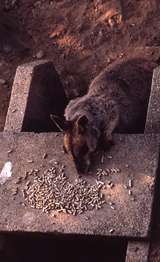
<point>82,167</point>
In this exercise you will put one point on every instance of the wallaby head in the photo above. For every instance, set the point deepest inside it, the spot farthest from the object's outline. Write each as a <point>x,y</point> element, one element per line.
<point>80,140</point>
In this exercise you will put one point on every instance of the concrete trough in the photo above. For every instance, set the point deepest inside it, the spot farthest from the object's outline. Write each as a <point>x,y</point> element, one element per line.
<point>36,93</point>
<point>135,156</point>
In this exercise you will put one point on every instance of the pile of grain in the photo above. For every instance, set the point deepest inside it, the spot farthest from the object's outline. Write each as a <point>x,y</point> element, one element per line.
<point>53,191</point>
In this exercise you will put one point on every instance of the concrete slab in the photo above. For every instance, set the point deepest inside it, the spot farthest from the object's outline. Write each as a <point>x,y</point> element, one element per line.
<point>137,251</point>
<point>153,114</point>
<point>135,156</point>
<point>36,93</point>
<point>152,126</point>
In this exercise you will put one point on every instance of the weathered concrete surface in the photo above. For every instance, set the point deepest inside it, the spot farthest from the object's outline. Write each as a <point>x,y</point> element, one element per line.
<point>153,114</point>
<point>153,126</point>
<point>137,252</point>
<point>36,93</point>
<point>135,156</point>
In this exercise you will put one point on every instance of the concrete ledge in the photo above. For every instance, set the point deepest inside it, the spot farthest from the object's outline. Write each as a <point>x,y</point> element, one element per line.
<point>36,93</point>
<point>136,156</point>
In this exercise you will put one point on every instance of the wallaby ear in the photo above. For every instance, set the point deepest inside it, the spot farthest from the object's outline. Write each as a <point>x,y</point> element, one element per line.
<point>82,124</point>
<point>60,122</point>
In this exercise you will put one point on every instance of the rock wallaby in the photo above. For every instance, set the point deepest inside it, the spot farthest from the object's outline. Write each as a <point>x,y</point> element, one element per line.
<point>116,101</point>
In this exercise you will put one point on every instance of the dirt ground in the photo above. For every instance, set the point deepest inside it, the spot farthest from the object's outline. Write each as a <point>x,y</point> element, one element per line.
<point>78,36</point>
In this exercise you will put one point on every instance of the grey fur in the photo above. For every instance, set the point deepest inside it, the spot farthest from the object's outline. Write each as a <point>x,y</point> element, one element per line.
<point>116,100</point>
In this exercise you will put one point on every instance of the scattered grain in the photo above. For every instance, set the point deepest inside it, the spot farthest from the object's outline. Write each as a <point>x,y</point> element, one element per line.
<point>45,155</point>
<point>111,231</point>
<point>14,191</point>
<point>30,161</point>
<point>130,192</point>
<point>10,151</point>
<point>130,183</point>
<point>14,110</point>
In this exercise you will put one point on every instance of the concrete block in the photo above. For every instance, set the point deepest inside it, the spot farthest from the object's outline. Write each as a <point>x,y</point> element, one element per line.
<point>137,251</point>
<point>135,156</point>
<point>152,126</point>
<point>36,93</point>
<point>153,114</point>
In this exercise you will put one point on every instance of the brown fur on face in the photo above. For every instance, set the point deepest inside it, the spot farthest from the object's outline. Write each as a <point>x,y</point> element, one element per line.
<point>79,143</point>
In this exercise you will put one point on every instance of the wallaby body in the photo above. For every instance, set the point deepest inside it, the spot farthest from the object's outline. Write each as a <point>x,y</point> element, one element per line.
<point>116,101</point>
